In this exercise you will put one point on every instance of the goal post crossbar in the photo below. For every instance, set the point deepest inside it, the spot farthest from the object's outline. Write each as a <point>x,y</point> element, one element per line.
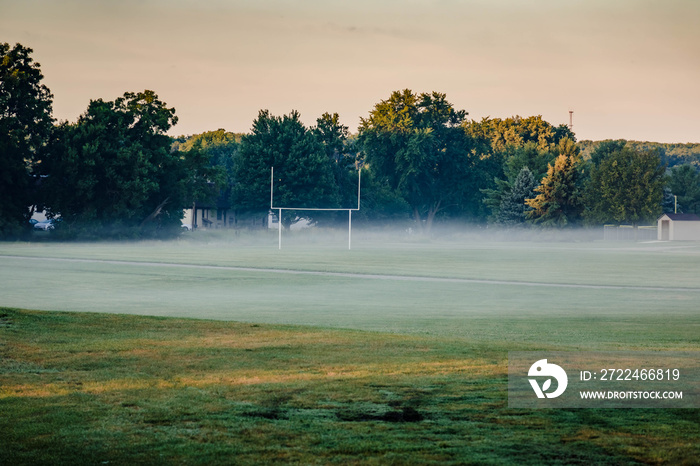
<point>280,209</point>
<point>310,208</point>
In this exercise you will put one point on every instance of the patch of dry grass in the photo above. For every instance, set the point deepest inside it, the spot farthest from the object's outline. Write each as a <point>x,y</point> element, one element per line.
<point>93,388</point>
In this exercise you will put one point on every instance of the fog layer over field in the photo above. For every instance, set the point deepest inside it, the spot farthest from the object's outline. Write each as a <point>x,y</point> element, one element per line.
<point>543,288</point>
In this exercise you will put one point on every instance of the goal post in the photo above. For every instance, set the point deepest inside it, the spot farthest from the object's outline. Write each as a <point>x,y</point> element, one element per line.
<point>280,209</point>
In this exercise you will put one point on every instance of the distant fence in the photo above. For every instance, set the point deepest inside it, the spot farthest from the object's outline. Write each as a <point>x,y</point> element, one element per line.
<point>627,233</point>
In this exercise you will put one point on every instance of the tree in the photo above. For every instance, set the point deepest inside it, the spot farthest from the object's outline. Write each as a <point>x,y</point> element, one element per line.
<point>605,149</point>
<point>302,170</point>
<point>340,151</point>
<point>332,135</point>
<point>221,148</point>
<point>112,173</point>
<point>518,131</point>
<point>512,211</point>
<point>515,159</point>
<point>220,145</point>
<point>598,153</point>
<point>416,145</point>
<point>671,154</point>
<point>668,204</point>
<point>559,200</point>
<point>625,187</point>
<point>512,144</point>
<point>684,183</point>
<point>25,125</point>
<point>380,203</point>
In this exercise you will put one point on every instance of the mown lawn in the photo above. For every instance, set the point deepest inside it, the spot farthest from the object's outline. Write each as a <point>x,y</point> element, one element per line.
<point>667,264</point>
<point>89,388</point>
<point>653,307</point>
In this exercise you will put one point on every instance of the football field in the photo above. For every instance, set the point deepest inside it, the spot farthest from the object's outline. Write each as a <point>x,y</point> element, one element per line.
<point>225,350</point>
<point>603,295</point>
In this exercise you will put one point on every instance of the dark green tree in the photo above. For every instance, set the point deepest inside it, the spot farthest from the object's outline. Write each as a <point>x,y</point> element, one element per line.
<point>668,204</point>
<point>515,158</point>
<point>340,150</point>
<point>558,202</point>
<point>512,211</point>
<point>333,136</point>
<point>416,145</point>
<point>536,160</point>
<point>597,154</point>
<point>625,187</point>
<point>671,154</point>
<point>113,173</point>
<point>684,183</point>
<point>605,149</point>
<point>380,203</point>
<point>25,125</point>
<point>512,144</point>
<point>221,148</point>
<point>303,174</point>
<point>219,145</point>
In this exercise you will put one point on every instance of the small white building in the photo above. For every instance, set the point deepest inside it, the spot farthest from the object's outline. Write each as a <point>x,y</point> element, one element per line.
<point>678,227</point>
<point>207,217</point>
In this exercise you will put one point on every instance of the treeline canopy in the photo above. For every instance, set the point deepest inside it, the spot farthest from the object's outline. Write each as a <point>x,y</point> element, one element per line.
<point>671,154</point>
<point>116,173</point>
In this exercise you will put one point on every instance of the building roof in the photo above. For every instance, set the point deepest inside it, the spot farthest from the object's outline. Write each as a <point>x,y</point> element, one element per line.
<point>683,217</point>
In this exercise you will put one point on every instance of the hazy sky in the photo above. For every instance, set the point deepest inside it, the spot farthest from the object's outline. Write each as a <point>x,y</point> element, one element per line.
<point>627,68</point>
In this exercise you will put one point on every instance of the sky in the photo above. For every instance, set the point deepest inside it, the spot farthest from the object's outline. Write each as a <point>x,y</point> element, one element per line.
<point>628,69</point>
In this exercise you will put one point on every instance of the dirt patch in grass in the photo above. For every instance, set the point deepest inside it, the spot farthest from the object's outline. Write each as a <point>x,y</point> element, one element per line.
<point>364,412</point>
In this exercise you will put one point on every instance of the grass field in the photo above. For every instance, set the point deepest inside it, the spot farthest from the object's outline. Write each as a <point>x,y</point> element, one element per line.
<point>394,352</point>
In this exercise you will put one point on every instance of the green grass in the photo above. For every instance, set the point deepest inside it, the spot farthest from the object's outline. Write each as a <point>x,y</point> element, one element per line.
<point>328,368</point>
<point>601,318</point>
<point>78,388</point>
<point>632,264</point>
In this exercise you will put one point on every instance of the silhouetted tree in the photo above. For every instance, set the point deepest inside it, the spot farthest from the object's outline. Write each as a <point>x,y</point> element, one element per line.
<point>113,173</point>
<point>25,125</point>
<point>416,145</point>
<point>625,187</point>
<point>302,169</point>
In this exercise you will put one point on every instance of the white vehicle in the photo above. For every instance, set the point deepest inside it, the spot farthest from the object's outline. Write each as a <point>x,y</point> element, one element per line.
<point>46,225</point>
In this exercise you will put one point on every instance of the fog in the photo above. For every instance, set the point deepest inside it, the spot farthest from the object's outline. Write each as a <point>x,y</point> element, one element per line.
<point>444,232</point>
<point>481,284</point>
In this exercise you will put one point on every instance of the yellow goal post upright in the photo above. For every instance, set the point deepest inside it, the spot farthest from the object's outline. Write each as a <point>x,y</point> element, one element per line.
<point>280,209</point>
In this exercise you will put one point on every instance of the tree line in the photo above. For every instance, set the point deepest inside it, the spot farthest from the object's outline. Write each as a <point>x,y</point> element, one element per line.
<point>116,173</point>
<point>671,154</point>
